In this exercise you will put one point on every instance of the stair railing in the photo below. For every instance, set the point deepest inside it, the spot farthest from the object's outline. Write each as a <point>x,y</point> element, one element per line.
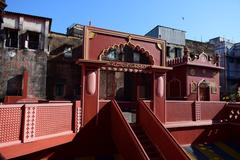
<point>124,137</point>
<point>158,134</point>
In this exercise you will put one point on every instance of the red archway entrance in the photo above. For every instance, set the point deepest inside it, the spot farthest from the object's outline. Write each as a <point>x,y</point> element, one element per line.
<point>125,78</point>
<point>204,91</point>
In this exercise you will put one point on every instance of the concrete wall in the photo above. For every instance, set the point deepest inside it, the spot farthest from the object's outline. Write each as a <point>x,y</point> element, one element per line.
<point>26,23</point>
<point>172,35</point>
<point>35,62</point>
<point>175,40</point>
<point>62,69</point>
<point>17,59</point>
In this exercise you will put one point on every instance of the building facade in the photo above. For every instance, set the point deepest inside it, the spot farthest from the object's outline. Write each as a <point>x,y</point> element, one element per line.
<point>63,75</point>
<point>229,59</point>
<point>175,40</point>
<point>97,76</point>
<point>194,77</point>
<point>195,61</point>
<point>24,48</point>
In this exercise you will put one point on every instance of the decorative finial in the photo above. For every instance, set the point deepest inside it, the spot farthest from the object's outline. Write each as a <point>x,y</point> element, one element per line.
<point>129,38</point>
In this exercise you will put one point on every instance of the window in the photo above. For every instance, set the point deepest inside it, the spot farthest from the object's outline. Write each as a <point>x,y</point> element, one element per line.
<point>77,90</point>
<point>136,57</point>
<point>126,54</point>
<point>168,51</point>
<point>178,52</point>
<point>32,40</point>
<point>59,90</point>
<point>175,88</point>
<point>11,37</point>
<point>238,61</point>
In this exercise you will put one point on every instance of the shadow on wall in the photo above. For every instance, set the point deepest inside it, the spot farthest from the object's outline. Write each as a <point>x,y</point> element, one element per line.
<point>14,86</point>
<point>1,157</point>
<point>225,128</point>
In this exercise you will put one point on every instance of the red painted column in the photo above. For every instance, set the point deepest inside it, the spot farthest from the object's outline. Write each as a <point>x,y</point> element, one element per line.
<point>25,84</point>
<point>159,96</point>
<point>90,93</point>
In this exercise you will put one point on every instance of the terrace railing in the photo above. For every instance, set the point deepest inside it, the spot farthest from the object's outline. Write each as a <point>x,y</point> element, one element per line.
<point>21,123</point>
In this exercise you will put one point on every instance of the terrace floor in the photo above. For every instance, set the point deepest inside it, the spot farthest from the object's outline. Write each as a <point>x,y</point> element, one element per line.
<point>214,151</point>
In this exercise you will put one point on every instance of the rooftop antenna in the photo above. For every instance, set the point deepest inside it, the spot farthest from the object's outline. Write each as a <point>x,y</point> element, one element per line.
<point>89,23</point>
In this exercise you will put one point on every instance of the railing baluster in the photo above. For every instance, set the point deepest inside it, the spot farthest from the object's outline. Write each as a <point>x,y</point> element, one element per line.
<point>78,116</point>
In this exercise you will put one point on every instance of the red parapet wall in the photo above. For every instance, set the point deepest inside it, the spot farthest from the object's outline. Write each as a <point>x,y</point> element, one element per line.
<point>21,123</point>
<point>10,124</point>
<point>218,121</point>
<point>46,120</point>
<point>50,119</point>
<point>193,110</point>
<point>179,111</point>
<point>211,109</point>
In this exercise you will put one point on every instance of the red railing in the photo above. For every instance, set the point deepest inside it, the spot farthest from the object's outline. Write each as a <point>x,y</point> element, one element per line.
<point>20,123</point>
<point>124,137</point>
<point>230,114</point>
<point>176,61</point>
<point>158,134</point>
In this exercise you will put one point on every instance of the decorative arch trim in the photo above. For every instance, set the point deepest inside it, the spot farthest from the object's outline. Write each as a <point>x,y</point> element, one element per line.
<point>203,81</point>
<point>120,47</point>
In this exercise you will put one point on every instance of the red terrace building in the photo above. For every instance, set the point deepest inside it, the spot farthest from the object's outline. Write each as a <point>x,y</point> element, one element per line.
<point>194,77</point>
<point>124,67</point>
<point>122,112</point>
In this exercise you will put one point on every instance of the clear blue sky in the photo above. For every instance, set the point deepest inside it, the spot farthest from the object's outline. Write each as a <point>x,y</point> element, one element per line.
<point>203,19</point>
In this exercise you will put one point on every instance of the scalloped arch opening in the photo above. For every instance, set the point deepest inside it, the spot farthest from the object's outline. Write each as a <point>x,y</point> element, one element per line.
<point>120,48</point>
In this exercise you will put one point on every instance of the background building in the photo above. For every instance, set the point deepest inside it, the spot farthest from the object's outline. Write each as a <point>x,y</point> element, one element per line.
<point>63,75</point>
<point>175,40</point>
<point>229,59</point>
<point>24,48</point>
<point>195,74</point>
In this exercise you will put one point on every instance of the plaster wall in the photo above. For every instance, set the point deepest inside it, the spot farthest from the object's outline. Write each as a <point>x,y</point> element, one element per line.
<point>35,62</point>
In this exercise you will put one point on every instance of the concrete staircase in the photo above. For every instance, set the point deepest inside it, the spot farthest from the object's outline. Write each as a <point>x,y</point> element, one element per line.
<point>148,146</point>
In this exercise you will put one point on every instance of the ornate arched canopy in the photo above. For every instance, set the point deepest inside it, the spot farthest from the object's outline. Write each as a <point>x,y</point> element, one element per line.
<point>127,52</point>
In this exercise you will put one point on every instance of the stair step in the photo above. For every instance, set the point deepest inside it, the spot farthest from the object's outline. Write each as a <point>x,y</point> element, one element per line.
<point>149,148</point>
<point>156,158</point>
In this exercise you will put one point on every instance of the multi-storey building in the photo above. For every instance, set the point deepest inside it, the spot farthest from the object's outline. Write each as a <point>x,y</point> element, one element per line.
<point>195,74</point>
<point>63,75</point>
<point>117,73</point>
<point>23,56</point>
<point>233,68</point>
<point>175,40</point>
<point>230,60</point>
